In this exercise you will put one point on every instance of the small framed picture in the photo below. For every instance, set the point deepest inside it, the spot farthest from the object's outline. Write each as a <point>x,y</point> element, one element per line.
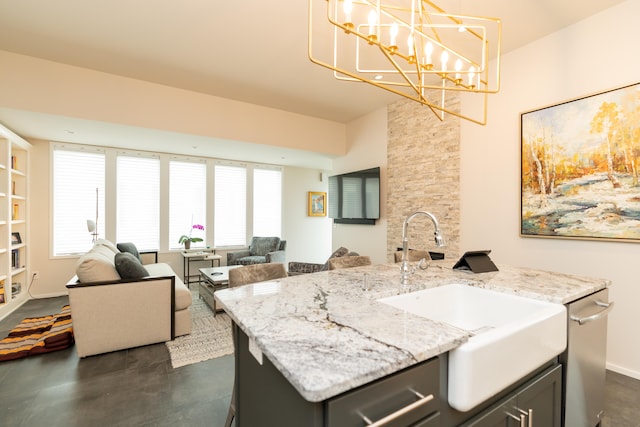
<point>15,238</point>
<point>317,203</point>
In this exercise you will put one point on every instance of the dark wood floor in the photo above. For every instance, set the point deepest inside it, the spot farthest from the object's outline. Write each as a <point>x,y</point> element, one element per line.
<point>138,387</point>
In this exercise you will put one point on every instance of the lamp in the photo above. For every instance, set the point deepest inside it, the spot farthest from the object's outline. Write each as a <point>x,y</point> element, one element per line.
<point>93,229</point>
<point>92,225</point>
<point>408,47</point>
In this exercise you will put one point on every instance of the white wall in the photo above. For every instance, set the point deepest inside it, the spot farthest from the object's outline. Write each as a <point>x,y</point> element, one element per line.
<point>366,148</point>
<point>592,56</point>
<point>308,237</point>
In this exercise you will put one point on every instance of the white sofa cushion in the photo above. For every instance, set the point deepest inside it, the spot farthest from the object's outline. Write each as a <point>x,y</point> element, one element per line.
<point>108,244</point>
<point>183,294</point>
<point>97,265</point>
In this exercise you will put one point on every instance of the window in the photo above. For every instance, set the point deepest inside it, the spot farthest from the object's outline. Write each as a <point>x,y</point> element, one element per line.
<point>138,201</point>
<point>230,216</point>
<point>78,180</point>
<point>152,199</point>
<point>187,200</point>
<point>267,202</point>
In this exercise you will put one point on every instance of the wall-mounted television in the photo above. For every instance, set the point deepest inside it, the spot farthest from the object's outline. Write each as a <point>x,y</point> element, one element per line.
<point>354,197</point>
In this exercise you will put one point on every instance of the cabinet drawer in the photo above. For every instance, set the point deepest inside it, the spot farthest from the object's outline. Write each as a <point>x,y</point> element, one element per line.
<point>387,396</point>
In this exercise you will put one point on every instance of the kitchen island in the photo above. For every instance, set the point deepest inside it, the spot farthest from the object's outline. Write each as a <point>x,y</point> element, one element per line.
<point>327,334</point>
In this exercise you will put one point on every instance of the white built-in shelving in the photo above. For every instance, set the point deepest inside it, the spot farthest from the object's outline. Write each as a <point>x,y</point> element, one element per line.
<point>14,255</point>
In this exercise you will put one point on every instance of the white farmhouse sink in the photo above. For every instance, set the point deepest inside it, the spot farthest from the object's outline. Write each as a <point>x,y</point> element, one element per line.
<point>509,336</point>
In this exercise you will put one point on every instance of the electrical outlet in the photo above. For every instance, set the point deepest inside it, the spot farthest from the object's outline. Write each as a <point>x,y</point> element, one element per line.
<point>36,274</point>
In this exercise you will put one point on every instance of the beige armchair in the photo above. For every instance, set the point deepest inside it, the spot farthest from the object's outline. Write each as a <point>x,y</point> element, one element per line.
<point>256,273</point>
<point>113,316</point>
<point>118,303</point>
<point>412,255</point>
<point>348,262</point>
<point>297,267</point>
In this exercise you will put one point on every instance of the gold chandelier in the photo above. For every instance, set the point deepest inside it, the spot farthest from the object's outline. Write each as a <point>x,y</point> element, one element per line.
<point>412,48</point>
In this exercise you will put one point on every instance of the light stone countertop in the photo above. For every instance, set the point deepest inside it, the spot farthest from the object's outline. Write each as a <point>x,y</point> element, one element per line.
<point>327,334</point>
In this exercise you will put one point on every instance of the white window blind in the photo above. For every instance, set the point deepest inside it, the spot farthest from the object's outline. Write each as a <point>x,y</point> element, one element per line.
<point>230,216</point>
<point>187,201</point>
<point>138,201</point>
<point>267,202</point>
<point>76,176</point>
<point>372,188</point>
<point>352,197</point>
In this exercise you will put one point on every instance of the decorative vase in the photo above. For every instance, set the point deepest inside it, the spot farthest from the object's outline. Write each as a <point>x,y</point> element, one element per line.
<point>187,244</point>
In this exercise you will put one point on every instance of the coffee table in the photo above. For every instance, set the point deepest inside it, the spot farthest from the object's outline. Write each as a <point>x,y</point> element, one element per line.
<point>213,279</point>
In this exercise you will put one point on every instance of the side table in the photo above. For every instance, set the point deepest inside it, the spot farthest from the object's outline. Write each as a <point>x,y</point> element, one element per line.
<point>196,255</point>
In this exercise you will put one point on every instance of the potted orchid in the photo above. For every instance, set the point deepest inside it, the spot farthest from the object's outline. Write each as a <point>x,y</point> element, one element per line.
<point>186,240</point>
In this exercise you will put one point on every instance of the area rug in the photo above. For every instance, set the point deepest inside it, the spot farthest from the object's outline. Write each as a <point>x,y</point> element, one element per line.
<point>210,336</point>
<point>37,335</point>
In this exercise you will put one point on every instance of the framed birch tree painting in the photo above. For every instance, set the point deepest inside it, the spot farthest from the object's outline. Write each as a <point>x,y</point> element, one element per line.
<point>579,168</point>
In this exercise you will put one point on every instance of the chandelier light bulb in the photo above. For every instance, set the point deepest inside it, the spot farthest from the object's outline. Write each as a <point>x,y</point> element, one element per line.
<point>393,34</point>
<point>458,67</point>
<point>444,58</point>
<point>348,8</point>
<point>372,22</point>
<point>410,45</point>
<point>428,51</point>
<point>472,75</point>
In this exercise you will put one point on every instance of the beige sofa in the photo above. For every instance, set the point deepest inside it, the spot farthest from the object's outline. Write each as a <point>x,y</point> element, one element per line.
<point>112,313</point>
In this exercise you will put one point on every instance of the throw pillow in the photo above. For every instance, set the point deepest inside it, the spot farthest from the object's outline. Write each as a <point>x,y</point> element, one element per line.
<point>107,244</point>
<point>95,267</point>
<point>131,248</point>
<point>129,267</point>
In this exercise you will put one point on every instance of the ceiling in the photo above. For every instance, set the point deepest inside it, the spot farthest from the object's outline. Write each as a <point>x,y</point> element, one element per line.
<point>253,51</point>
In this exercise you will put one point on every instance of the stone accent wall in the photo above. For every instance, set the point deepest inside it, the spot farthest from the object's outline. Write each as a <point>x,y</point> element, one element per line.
<point>423,173</point>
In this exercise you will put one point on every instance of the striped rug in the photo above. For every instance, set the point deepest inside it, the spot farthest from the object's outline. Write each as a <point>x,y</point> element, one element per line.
<point>37,335</point>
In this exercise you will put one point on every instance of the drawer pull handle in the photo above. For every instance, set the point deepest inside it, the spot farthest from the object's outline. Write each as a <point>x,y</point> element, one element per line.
<point>521,418</point>
<point>602,313</point>
<point>400,412</point>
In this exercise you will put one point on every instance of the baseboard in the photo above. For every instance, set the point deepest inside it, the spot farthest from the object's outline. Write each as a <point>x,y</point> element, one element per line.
<point>623,371</point>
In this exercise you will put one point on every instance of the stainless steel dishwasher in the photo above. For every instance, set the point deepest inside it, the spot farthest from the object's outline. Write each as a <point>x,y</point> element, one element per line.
<point>585,360</point>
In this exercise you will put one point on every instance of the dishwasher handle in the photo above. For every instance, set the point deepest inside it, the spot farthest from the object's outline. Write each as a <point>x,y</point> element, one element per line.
<point>607,308</point>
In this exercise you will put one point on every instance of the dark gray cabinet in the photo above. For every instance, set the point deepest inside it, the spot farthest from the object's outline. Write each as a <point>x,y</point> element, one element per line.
<point>535,404</point>
<point>404,399</point>
<point>265,398</point>
<point>412,397</point>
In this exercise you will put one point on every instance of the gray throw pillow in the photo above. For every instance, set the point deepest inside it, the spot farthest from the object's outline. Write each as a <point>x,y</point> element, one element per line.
<point>129,267</point>
<point>131,248</point>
